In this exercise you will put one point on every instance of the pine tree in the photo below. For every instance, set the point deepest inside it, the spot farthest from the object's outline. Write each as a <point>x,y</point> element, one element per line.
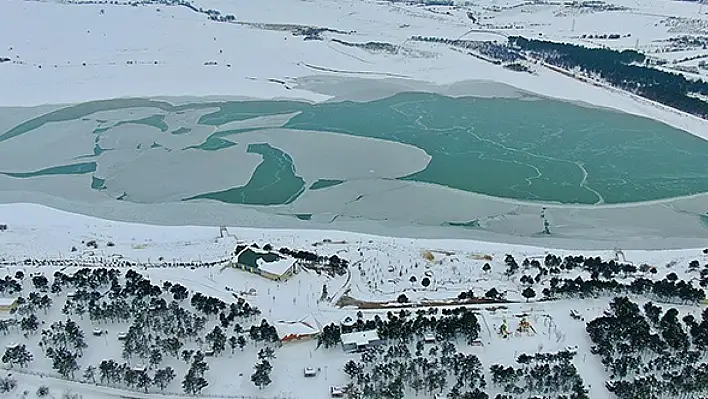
<point>155,357</point>
<point>63,361</point>
<point>261,376</point>
<point>192,383</point>
<point>171,346</point>
<point>90,374</point>
<point>187,355</point>
<point>131,377</point>
<point>144,381</point>
<point>188,382</point>
<point>352,369</point>
<point>266,354</point>
<point>199,384</point>
<point>233,343</point>
<point>324,294</point>
<point>7,384</point>
<point>40,282</point>
<point>217,339</point>
<point>29,323</point>
<point>528,293</point>
<point>17,355</point>
<point>163,377</point>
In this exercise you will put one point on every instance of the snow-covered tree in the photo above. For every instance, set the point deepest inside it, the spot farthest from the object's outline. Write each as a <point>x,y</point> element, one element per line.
<point>261,376</point>
<point>163,377</point>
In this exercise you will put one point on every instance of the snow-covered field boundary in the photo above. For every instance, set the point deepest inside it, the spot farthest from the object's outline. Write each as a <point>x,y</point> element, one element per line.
<point>104,389</point>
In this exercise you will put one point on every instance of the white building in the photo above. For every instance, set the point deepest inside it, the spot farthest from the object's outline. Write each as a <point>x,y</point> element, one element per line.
<point>278,270</point>
<point>268,264</point>
<point>359,341</point>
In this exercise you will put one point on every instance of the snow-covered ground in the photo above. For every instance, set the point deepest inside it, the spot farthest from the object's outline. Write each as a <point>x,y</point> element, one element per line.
<point>173,50</point>
<point>83,50</point>
<point>382,267</point>
<point>380,270</point>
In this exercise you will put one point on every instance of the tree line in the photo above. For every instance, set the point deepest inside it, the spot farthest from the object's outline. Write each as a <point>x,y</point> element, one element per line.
<point>665,290</point>
<point>623,69</point>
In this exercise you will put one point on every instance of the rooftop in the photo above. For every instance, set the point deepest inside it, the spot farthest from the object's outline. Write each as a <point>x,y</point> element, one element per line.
<point>277,267</point>
<point>267,261</point>
<point>250,256</point>
<point>360,338</point>
<point>7,301</point>
<point>305,326</point>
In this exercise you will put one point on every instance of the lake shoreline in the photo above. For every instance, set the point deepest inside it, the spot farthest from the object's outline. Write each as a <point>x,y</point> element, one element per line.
<point>213,214</point>
<point>355,206</point>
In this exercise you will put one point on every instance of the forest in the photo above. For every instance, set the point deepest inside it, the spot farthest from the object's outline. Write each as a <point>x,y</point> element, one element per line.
<point>164,324</point>
<point>170,336</point>
<point>412,364</point>
<point>651,353</point>
<point>623,69</point>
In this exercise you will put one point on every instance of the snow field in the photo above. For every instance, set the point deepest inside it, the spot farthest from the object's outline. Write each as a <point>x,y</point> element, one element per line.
<point>250,52</point>
<point>456,267</point>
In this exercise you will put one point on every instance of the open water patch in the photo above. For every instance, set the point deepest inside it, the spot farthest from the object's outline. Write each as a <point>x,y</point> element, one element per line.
<point>73,169</point>
<point>181,130</point>
<point>304,216</point>
<point>539,150</point>
<point>97,183</point>
<point>324,183</point>
<point>274,182</point>
<point>82,110</point>
<point>242,110</point>
<point>472,224</point>
<point>156,121</point>
<point>213,144</point>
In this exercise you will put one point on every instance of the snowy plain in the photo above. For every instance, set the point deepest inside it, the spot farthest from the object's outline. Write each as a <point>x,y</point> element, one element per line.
<point>95,57</point>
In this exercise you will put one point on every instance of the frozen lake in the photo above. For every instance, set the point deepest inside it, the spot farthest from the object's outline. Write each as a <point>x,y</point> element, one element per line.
<point>464,165</point>
<point>527,149</point>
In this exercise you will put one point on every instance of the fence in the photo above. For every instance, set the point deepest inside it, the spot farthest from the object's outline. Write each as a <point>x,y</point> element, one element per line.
<point>136,393</point>
<point>113,263</point>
